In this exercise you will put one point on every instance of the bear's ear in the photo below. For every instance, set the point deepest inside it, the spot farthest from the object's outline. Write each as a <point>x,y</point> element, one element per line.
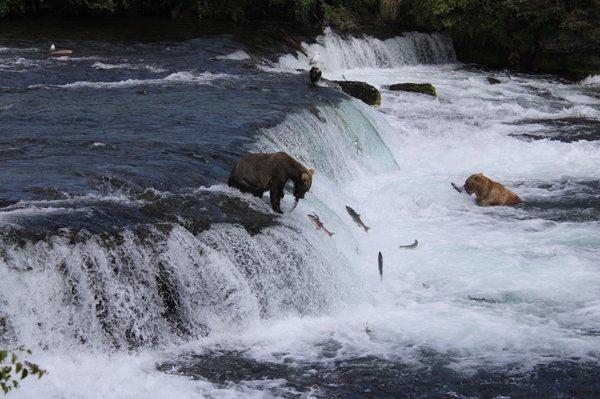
<point>312,171</point>
<point>480,174</point>
<point>305,178</point>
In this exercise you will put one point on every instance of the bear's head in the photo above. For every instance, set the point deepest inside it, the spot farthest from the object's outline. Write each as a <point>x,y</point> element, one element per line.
<point>305,184</point>
<point>478,184</point>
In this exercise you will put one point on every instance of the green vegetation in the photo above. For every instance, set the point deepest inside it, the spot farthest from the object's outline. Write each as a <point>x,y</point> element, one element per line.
<point>422,88</point>
<point>541,35</point>
<point>489,31</point>
<point>514,24</point>
<point>344,14</point>
<point>12,370</point>
<point>17,8</point>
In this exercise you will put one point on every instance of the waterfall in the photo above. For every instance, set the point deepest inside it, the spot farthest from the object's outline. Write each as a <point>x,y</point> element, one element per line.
<point>164,281</point>
<point>130,291</point>
<point>336,53</point>
<point>158,284</point>
<point>341,141</point>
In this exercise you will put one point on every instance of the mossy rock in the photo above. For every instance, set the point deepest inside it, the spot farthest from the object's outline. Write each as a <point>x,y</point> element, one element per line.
<point>361,90</point>
<point>422,88</point>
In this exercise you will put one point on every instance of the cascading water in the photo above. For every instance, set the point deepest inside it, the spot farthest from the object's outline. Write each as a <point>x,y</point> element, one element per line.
<point>207,283</point>
<point>332,52</point>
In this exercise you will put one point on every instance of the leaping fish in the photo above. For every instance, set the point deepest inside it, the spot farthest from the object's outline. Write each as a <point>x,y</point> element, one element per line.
<point>318,224</point>
<point>356,217</point>
<point>295,204</point>
<point>410,246</point>
<point>380,262</point>
<point>457,188</point>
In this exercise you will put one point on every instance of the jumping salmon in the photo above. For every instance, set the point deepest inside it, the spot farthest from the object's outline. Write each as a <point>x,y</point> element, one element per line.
<point>318,224</point>
<point>356,217</point>
<point>457,188</point>
<point>411,246</point>
<point>295,204</point>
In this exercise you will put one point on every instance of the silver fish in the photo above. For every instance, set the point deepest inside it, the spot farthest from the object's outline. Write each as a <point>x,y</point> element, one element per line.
<point>380,262</point>
<point>356,217</point>
<point>295,204</point>
<point>410,246</point>
<point>457,188</point>
<point>318,224</point>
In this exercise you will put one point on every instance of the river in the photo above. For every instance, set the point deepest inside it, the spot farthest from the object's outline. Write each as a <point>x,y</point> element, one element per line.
<point>133,271</point>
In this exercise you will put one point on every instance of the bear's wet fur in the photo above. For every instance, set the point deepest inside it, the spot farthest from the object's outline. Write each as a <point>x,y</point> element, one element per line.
<point>314,75</point>
<point>489,192</point>
<point>257,173</point>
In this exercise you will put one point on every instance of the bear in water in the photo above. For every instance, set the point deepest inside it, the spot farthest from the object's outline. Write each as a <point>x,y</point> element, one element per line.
<point>489,192</point>
<point>258,173</point>
<point>314,75</point>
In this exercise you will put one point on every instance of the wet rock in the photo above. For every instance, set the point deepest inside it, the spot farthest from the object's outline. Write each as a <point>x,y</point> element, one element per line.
<point>361,90</point>
<point>6,202</point>
<point>7,333</point>
<point>422,88</point>
<point>493,81</point>
<point>81,218</point>
<point>169,292</point>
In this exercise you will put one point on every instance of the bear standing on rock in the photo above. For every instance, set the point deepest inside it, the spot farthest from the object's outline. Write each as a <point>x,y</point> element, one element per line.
<point>257,173</point>
<point>489,192</point>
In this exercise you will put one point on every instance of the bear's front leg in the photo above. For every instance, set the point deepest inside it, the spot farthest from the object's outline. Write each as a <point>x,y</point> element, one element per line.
<point>483,202</point>
<point>276,196</point>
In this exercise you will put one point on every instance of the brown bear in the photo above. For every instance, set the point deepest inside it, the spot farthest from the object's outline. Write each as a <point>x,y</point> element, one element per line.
<point>489,192</point>
<point>257,173</point>
<point>314,75</point>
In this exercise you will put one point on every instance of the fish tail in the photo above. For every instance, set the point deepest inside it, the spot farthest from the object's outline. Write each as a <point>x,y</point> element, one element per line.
<point>366,229</point>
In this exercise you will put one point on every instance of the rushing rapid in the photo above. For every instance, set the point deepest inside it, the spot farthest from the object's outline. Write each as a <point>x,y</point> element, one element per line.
<point>132,269</point>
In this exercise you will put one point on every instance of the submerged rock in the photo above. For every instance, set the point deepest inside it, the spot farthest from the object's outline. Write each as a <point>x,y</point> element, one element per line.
<point>361,90</point>
<point>6,202</point>
<point>423,88</point>
<point>493,81</point>
<point>7,332</point>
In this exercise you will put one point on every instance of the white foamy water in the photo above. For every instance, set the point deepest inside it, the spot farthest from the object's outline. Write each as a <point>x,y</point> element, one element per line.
<point>485,286</point>
<point>18,49</point>
<point>177,77</point>
<point>332,52</point>
<point>591,80</point>
<point>541,273</point>
<point>238,55</point>
<point>107,67</point>
<point>17,64</point>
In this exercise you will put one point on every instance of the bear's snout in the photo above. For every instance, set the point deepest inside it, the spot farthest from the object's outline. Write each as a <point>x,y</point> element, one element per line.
<point>299,193</point>
<point>469,187</point>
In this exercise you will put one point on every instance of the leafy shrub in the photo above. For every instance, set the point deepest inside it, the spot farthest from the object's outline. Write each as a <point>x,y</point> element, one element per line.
<point>12,370</point>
